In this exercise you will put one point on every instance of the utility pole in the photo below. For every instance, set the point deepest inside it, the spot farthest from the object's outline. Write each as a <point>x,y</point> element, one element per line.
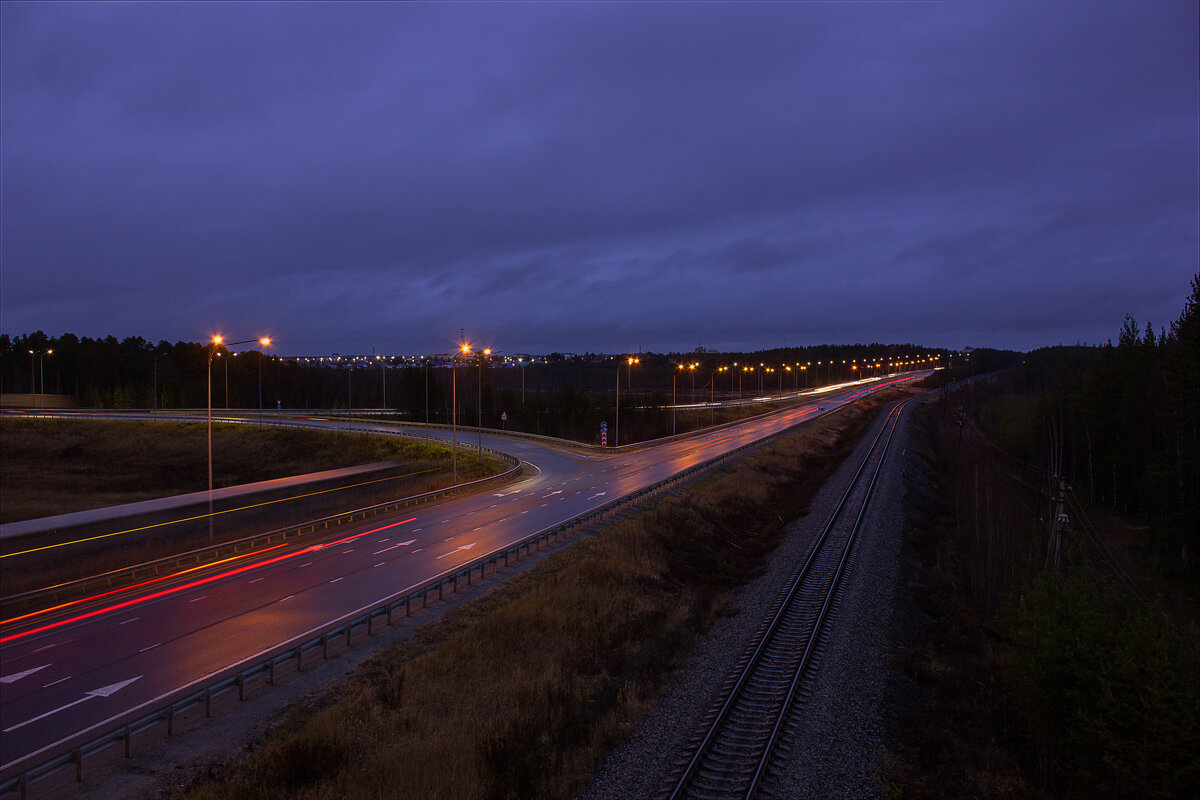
<point>1060,524</point>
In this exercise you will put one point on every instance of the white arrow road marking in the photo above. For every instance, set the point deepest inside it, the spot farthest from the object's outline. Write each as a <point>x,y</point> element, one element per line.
<point>455,550</point>
<point>18,675</point>
<point>598,494</point>
<point>405,544</point>
<point>103,691</point>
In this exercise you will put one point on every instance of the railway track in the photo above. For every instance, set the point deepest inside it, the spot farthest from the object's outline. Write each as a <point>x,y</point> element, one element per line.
<point>733,754</point>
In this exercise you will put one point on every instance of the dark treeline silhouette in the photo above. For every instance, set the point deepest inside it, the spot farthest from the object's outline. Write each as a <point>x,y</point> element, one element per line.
<point>1123,420</point>
<point>1119,422</point>
<point>562,395</point>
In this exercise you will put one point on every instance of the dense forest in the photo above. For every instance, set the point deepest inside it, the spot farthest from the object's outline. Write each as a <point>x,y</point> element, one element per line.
<point>1060,529</point>
<point>558,395</point>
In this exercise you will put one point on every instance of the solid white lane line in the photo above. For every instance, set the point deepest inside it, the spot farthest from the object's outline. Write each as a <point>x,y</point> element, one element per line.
<point>381,563</point>
<point>256,580</point>
<point>151,647</point>
<point>289,597</point>
<point>126,622</point>
<point>197,599</point>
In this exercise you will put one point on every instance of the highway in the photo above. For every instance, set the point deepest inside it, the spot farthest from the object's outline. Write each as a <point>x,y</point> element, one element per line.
<point>77,672</point>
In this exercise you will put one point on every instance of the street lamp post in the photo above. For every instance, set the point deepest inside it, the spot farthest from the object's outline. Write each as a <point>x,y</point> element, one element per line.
<point>487,351</point>
<point>674,375</point>
<point>466,349</point>
<point>155,398</point>
<point>33,386</point>
<point>617,430</point>
<point>264,341</point>
<point>217,341</point>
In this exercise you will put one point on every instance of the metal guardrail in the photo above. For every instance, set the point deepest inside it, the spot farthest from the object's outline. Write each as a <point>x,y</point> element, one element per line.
<point>25,600</point>
<point>180,713</point>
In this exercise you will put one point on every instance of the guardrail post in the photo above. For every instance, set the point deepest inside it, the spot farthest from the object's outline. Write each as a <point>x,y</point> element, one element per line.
<point>77,756</point>
<point>208,702</point>
<point>128,742</point>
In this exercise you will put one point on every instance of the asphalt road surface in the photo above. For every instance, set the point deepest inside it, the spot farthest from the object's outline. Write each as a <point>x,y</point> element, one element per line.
<point>79,671</point>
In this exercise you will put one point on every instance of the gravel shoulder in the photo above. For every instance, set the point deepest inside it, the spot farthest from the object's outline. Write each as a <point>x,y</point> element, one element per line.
<point>844,722</point>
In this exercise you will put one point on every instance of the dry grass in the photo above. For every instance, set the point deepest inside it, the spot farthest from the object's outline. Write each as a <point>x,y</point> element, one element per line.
<point>58,466</point>
<point>523,693</point>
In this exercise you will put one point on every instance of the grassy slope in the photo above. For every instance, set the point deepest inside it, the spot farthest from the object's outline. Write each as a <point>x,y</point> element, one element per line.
<point>58,466</point>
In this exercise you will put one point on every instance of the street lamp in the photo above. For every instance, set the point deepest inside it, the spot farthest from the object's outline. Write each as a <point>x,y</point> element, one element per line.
<point>617,429</point>
<point>487,351</point>
<point>674,375</point>
<point>33,387</point>
<point>217,341</point>
<point>265,342</point>
<point>155,404</point>
<point>464,350</point>
<point>521,364</point>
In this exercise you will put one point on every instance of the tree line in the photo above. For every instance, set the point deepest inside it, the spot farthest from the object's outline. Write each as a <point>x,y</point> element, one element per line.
<point>568,396</point>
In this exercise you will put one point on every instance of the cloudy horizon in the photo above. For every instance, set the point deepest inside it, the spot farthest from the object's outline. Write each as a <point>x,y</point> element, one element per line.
<point>599,177</point>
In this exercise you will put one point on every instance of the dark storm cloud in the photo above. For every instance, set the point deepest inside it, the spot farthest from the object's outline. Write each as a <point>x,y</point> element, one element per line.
<point>598,176</point>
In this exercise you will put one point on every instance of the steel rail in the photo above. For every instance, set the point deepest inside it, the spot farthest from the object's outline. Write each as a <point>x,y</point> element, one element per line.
<point>786,607</point>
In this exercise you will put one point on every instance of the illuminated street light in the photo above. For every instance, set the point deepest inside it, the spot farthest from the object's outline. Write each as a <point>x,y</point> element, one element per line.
<point>630,361</point>
<point>33,387</point>
<point>465,349</point>
<point>487,351</point>
<point>217,341</point>
<point>265,342</point>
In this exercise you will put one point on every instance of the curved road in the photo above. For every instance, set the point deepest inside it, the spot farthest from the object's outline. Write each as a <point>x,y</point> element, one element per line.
<point>75,673</point>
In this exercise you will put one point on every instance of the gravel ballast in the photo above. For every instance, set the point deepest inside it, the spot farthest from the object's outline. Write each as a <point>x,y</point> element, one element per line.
<point>842,724</point>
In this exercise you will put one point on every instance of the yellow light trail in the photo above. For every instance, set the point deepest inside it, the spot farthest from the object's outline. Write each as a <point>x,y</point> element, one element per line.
<point>215,514</point>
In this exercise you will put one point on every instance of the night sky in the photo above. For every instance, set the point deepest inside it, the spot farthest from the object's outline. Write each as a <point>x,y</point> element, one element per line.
<point>599,177</point>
